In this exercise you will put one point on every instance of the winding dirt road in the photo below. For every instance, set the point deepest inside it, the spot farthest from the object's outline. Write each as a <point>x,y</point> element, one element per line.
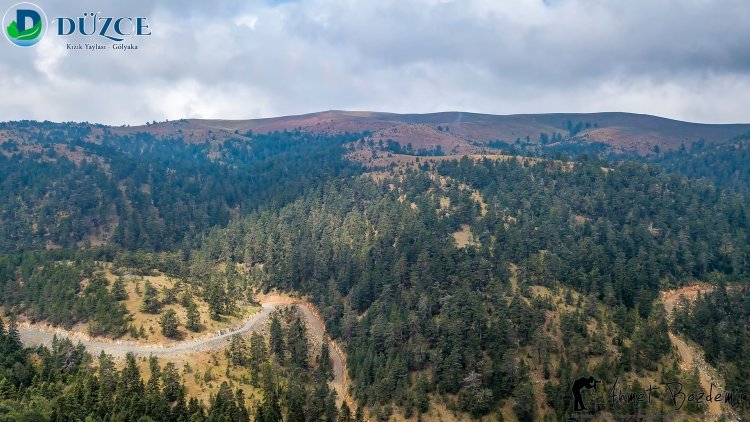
<point>33,335</point>
<point>340,380</point>
<point>689,355</point>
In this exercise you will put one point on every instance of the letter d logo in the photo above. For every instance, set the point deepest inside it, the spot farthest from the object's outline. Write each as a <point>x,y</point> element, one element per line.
<point>24,24</point>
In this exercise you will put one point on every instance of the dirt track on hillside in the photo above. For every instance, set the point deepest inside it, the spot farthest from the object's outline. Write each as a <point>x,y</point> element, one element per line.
<point>338,357</point>
<point>37,334</point>
<point>690,355</point>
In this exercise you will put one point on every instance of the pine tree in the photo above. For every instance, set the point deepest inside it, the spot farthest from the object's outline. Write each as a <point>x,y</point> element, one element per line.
<point>316,409</point>
<point>325,366</point>
<point>297,341</point>
<point>192,322</point>
<point>277,337</point>
<point>12,337</point>
<point>179,409</point>
<point>295,401</point>
<point>153,385</point>
<point>196,410</point>
<point>331,409</point>
<point>223,405</point>
<point>151,303</point>
<point>258,355</point>
<point>129,398</point>
<point>423,400</point>
<point>118,289</point>
<point>525,407</point>
<point>169,324</point>
<point>7,391</point>
<point>216,297</point>
<point>108,378</point>
<point>156,404</point>
<point>242,413</point>
<point>345,414</point>
<point>237,351</point>
<point>270,409</point>
<point>130,378</point>
<point>172,386</point>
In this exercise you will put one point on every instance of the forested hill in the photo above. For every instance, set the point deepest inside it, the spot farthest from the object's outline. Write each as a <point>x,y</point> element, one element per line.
<point>69,185</point>
<point>381,260</point>
<point>727,165</point>
<point>154,187</point>
<point>719,322</point>
<point>475,285</point>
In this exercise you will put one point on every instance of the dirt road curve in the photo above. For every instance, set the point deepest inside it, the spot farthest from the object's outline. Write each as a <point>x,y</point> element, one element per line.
<point>671,297</point>
<point>35,336</point>
<point>32,335</point>
<point>340,381</point>
<point>689,355</point>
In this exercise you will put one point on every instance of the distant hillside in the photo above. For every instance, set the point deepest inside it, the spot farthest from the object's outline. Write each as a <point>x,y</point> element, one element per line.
<point>461,132</point>
<point>727,165</point>
<point>69,184</point>
<point>73,184</point>
<point>455,132</point>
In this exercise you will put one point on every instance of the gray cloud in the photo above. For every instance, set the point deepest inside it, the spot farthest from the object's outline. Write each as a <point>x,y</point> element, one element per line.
<point>683,59</point>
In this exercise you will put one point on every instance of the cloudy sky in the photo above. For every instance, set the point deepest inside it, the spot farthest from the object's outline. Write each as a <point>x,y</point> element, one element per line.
<point>685,59</point>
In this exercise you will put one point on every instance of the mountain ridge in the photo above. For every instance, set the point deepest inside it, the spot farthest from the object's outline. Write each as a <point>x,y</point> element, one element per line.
<point>624,132</point>
<point>456,132</point>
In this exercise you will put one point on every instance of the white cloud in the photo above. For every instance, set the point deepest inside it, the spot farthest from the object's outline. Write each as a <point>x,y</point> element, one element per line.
<point>681,59</point>
<point>190,98</point>
<point>249,21</point>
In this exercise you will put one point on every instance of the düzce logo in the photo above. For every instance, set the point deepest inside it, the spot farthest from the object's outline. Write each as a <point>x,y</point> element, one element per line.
<point>25,24</point>
<point>578,385</point>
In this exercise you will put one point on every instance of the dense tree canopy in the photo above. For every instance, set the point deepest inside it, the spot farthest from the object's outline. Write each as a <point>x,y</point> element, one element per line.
<point>557,274</point>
